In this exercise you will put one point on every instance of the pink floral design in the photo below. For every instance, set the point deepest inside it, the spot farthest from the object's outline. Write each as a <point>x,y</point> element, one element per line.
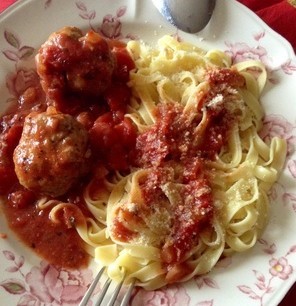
<point>46,284</point>
<point>292,167</point>
<point>20,80</point>
<point>58,286</point>
<point>258,36</point>
<point>276,125</point>
<point>111,26</point>
<point>280,268</point>
<point>268,248</point>
<point>172,295</point>
<point>275,191</point>
<point>85,13</point>
<point>288,67</point>
<point>241,51</point>
<point>224,262</point>
<point>290,198</point>
<point>202,281</point>
<point>16,52</point>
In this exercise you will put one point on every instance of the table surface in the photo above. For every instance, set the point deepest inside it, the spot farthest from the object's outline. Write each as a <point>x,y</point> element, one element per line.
<point>290,298</point>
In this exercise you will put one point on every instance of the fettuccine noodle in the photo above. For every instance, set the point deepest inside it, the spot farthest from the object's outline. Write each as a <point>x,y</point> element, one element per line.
<point>238,178</point>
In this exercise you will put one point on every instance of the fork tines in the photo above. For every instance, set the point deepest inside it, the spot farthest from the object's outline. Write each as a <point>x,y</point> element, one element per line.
<point>101,296</point>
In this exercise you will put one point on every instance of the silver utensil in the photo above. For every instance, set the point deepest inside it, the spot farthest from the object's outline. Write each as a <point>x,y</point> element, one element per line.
<point>102,294</point>
<point>187,15</point>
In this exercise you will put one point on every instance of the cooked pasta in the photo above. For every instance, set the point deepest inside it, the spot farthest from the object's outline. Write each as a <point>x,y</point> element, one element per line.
<point>198,189</point>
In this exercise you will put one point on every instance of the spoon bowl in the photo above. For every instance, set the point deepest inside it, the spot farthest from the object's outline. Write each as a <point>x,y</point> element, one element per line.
<point>190,16</point>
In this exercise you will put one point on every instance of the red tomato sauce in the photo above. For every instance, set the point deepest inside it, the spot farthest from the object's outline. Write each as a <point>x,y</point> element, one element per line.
<point>115,145</point>
<point>178,149</point>
<point>177,141</point>
<point>56,243</point>
<point>111,136</point>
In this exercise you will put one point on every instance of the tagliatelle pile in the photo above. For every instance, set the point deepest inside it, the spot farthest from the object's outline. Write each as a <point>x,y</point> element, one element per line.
<point>215,196</point>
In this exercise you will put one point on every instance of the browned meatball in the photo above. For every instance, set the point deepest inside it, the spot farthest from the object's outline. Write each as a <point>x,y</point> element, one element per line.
<point>69,63</point>
<point>52,154</point>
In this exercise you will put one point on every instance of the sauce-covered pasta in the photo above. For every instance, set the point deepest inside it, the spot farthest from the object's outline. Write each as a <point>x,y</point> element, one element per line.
<point>151,155</point>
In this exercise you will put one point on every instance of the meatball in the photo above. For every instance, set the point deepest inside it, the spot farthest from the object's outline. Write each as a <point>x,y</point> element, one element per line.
<point>69,63</point>
<point>52,154</point>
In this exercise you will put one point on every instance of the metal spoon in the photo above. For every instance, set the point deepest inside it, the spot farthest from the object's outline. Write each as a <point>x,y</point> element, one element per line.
<point>187,15</point>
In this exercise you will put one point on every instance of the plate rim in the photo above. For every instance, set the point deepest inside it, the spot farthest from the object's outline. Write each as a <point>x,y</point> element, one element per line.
<point>18,5</point>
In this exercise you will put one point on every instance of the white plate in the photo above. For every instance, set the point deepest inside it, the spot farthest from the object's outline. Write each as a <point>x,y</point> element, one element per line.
<point>261,276</point>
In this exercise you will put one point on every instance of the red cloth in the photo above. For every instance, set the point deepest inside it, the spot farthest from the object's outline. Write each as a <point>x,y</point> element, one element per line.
<point>280,15</point>
<point>5,3</point>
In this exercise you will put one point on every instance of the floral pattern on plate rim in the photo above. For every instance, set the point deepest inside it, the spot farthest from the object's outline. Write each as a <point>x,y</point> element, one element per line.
<point>49,285</point>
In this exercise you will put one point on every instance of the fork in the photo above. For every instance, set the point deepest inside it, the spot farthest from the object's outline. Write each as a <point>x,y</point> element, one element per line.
<point>102,294</point>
